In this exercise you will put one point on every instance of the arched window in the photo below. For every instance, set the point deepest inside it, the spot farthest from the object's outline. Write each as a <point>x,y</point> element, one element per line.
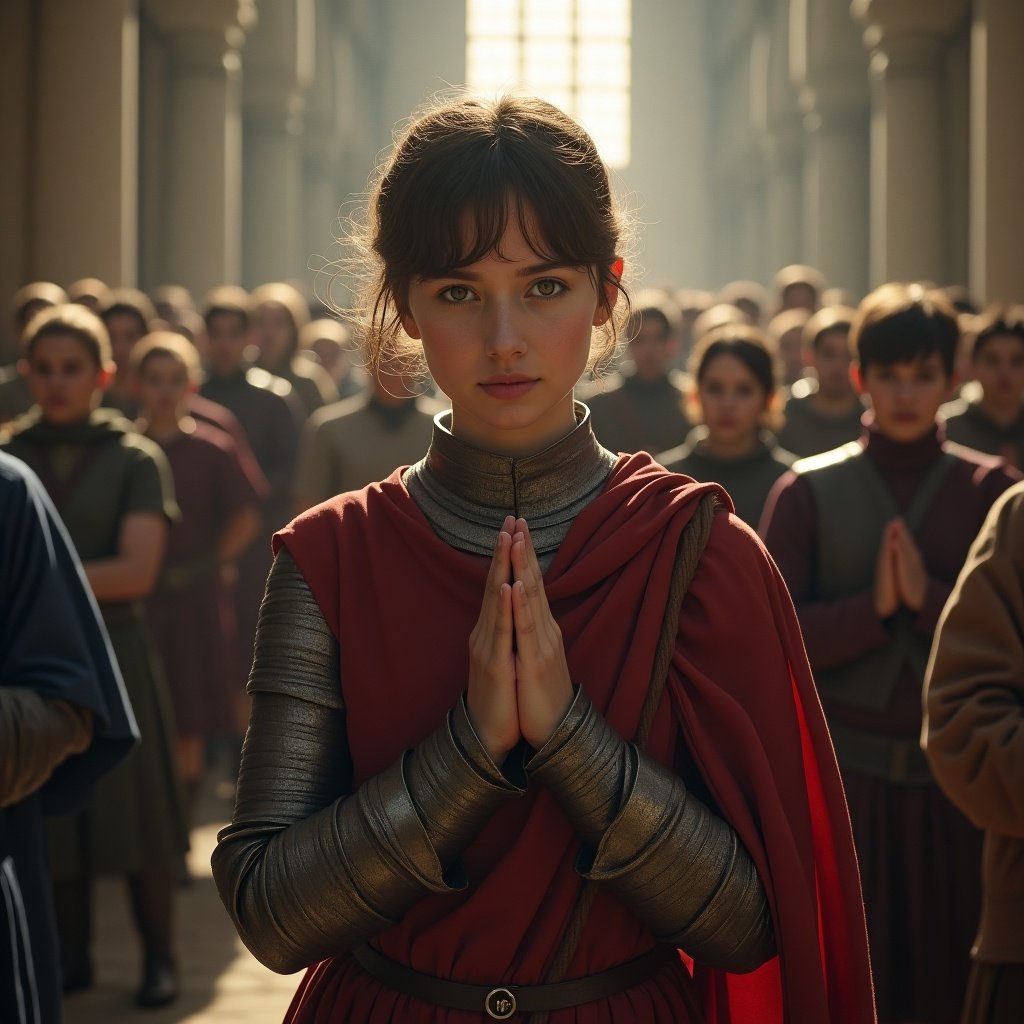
<point>573,53</point>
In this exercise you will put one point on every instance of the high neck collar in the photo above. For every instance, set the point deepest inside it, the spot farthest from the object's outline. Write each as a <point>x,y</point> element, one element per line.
<point>901,455</point>
<point>697,443</point>
<point>102,424</point>
<point>466,492</point>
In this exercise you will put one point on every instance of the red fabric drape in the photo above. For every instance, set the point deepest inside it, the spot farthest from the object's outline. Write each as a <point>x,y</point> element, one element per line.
<point>402,604</point>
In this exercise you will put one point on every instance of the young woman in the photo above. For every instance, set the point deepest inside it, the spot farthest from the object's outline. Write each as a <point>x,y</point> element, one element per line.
<point>279,315</point>
<point>220,518</point>
<point>113,490</point>
<point>440,809</point>
<point>734,378</point>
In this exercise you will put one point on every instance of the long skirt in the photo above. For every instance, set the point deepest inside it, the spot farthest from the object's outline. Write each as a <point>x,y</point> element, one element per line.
<point>194,630</point>
<point>920,862</point>
<point>136,818</point>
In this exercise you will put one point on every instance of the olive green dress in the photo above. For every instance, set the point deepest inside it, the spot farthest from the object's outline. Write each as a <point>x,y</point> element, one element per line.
<point>747,478</point>
<point>98,472</point>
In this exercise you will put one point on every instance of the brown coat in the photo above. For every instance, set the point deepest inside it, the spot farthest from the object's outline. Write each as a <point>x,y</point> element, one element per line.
<point>974,725</point>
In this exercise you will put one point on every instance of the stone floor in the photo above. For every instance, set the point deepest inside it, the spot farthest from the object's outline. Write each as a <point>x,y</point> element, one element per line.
<point>221,982</point>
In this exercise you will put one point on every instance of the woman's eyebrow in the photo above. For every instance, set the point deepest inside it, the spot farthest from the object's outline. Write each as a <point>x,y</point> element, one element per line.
<point>462,274</point>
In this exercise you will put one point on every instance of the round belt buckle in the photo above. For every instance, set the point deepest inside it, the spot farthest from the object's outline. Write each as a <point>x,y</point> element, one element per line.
<point>500,1004</point>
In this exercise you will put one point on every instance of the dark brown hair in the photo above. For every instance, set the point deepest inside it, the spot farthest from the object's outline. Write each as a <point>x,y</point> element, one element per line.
<point>995,322</point>
<point>127,302</point>
<point>900,323</point>
<point>289,298</point>
<point>827,319</point>
<point>71,319</point>
<point>227,300</point>
<point>742,341</point>
<point>798,274</point>
<point>169,344</point>
<point>39,294</point>
<point>457,174</point>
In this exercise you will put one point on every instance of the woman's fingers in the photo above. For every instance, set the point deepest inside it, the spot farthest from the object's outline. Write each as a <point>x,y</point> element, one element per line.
<point>491,691</point>
<point>499,573</point>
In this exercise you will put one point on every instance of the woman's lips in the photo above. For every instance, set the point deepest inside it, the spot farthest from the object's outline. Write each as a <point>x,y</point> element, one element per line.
<point>508,388</point>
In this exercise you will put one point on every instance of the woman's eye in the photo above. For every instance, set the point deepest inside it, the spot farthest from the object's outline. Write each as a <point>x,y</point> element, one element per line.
<point>456,293</point>
<point>548,288</point>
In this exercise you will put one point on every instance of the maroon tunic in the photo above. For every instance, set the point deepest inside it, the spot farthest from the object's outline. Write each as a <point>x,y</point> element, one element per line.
<point>272,418</point>
<point>402,604</point>
<point>190,610</point>
<point>919,857</point>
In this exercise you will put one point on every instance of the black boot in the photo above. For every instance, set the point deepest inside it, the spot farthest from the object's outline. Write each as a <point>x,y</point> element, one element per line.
<point>72,900</point>
<point>152,896</point>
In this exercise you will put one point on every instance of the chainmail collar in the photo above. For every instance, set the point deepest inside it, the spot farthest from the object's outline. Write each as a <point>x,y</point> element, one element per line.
<point>466,492</point>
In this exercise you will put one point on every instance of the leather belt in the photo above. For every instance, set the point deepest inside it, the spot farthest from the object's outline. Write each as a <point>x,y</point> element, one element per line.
<point>891,758</point>
<point>500,1002</point>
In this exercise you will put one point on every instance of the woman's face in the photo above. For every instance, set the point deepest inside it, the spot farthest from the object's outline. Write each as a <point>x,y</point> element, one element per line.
<point>161,386</point>
<point>274,333</point>
<point>999,369</point>
<point>63,378</point>
<point>506,339</point>
<point>732,401</point>
<point>126,330</point>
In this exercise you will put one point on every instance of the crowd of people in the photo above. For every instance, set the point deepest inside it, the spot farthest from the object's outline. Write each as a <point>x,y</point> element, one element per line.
<point>865,442</point>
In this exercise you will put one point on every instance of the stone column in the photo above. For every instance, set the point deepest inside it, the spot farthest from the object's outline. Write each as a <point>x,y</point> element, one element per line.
<point>783,147</point>
<point>279,66</point>
<point>322,189</point>
<point>15,116</point>
<point>908,194</point>
<point>783,207</point>
<point>83,185</point>
<point>829,67</point>
<point>997,151</point>
<point>836,172</point>
<point>202,224</point>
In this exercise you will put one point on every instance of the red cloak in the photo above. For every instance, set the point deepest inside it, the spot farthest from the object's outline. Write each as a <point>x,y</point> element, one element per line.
<point>740,694</point>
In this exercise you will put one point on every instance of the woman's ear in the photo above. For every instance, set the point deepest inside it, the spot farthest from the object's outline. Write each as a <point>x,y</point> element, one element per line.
<point>856,378</point>
<point>611,295</point>
<point>409,325</point>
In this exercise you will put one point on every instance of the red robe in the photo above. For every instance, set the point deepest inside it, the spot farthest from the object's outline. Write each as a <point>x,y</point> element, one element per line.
<point>402,604</point>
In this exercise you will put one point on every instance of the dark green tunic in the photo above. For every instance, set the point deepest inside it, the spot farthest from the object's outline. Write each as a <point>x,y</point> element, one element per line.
<point>968,424</point>
<point>748,479</point>
<point>808,431</point>
<point>97,473</point>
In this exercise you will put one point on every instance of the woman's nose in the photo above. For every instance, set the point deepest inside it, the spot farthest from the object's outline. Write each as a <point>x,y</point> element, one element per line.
<point>503,335</point>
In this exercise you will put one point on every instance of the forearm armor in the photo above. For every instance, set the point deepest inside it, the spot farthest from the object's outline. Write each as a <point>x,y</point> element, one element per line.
<point>308,869</point>
<point>36,735</point>
<point>678,866</point>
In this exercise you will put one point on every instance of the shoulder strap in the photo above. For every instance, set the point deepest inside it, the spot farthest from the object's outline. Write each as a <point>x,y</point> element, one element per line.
<point>923,496</point>
<point>692,542</point>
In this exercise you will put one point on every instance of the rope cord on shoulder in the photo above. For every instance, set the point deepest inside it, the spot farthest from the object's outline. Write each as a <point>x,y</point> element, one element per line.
<point>691,546</point>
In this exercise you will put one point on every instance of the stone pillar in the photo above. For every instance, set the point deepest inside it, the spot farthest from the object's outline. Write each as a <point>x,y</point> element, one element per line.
<point>783,207</point>
<point>908,217</point>
<point>829,67</point>
<point>83,192</point>
<point>836,172</point>
<point>783,147</point>
<point>279,66</point>
<point>997,151</point>
<point>202,224</point>
<point>15,116</point>
<point>737,64</point>
<point>322,189</point>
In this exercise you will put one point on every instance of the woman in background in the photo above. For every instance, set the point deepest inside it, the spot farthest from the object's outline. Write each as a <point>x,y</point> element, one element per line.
<point>734,394</point>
